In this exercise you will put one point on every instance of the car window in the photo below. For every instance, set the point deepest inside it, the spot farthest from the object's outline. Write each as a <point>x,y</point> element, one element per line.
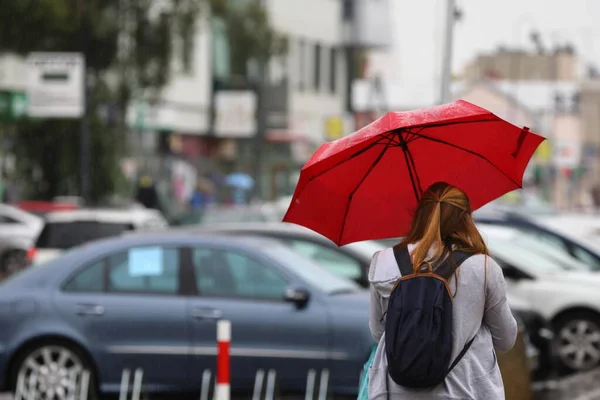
<point>64,235</point>
<point>4,219</point>
<point>551,244</point>
<point>547,238</point>
<point>233,274</point>
<point>309,271</point>
<point>89,280</point>
<point>586,257</point>
<point>529,261</point>
<point>333,261</point>
<point>144,269</point>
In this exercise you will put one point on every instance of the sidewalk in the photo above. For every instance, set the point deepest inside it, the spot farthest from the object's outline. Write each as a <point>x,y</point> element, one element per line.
<point>582,386</point>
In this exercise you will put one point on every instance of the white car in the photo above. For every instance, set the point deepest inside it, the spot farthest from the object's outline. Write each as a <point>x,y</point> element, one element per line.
<point>582,227</point>
<point>564,291</point>
<point>541,244</point>
<point>66,229</point>
<point>18,230</point>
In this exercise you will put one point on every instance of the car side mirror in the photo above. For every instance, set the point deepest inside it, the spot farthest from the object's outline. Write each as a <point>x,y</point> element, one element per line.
<point>299,297</point>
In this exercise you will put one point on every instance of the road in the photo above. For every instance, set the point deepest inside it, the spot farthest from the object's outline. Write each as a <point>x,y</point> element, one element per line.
<point>584,386</point>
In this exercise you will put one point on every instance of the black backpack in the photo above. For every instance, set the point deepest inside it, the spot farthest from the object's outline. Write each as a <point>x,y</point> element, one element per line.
<point>418,326</point>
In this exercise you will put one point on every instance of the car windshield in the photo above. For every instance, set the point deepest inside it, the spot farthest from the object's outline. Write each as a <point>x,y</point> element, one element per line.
<point>545,245</point>
<point>548,250</point>
<point>530,260</point>
<point>309,271</point>
<point>64,235</point>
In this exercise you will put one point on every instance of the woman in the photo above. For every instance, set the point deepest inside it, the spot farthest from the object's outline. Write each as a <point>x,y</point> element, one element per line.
<point>442,222</point>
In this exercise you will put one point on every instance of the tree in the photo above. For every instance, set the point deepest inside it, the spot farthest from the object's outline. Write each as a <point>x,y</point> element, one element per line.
<point>127,40</point>
<point>128,48</point>
<point>251,36</point>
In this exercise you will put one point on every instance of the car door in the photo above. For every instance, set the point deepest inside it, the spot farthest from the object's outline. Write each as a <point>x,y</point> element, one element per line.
<point>129,309</point>
<point>332,260</point>
<point>267,332</point>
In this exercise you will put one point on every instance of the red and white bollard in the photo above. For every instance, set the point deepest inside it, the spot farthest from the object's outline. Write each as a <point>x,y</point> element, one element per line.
<point>222,391</point>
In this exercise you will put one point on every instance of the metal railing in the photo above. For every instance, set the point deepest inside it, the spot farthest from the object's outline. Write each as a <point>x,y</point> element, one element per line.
<point>218,388</point>
<point>131,387</point>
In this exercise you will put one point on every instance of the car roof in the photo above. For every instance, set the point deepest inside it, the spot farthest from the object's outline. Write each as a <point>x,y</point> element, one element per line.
<point>260,228</point>
<point>19,214</point>
<point>134,215</point>
<point>175,236</point>
<point>95,248</point>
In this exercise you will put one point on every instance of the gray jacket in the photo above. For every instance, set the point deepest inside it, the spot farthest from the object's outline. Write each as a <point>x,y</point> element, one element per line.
<point>479,307</point>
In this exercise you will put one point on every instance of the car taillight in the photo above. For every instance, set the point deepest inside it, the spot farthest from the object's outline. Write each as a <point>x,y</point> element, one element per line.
<point>31,253</point>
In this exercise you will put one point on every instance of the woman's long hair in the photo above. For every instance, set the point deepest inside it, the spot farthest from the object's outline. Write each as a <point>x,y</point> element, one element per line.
<point>443,222</point>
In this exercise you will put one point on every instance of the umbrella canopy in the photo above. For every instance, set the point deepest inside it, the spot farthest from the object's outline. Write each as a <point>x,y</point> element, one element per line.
<point>367,185</point>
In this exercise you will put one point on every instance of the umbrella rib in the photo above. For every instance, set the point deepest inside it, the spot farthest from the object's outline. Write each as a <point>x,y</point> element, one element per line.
<point>427,126</point>
<point>358,153</point>
<point>410,174</point>
<point>410,163</point>
<point>351,195</point>
<point>467,151</point>
<point>414,171</point>
<point>390,134</point>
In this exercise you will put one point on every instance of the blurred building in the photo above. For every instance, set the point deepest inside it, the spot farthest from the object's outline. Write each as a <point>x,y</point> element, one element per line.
<point>367,33</point>
<point>305,92</point>
<point>515,64</point>
<point>207,120</point>
<point>13,101</point>
<point>590,121</point>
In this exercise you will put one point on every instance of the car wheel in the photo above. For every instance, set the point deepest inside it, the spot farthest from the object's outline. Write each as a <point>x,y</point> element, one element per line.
<point>54,369</point>
<point>13,261</point>
<point>577,341</point>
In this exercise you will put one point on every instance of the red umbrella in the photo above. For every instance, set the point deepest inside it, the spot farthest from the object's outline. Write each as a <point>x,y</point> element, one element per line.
<point>367,185</point>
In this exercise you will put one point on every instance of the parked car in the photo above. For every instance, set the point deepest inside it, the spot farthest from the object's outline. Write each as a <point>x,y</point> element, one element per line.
<point>577,247</point>
<point>63,230</point>
<point>18,230</point>
<point>152,301</point>
<point>352,262</point>
<point>533,242</point>
<point>43,207</point>
<point>567,296</point>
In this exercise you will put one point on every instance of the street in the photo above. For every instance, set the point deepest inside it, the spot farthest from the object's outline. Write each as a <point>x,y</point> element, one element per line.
<point>582,386</point>
<point>576,387</point>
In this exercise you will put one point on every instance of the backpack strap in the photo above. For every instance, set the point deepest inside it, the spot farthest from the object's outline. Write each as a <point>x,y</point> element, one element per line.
<point>403,260</point>
<point>446,270</point>
<point>461,354</point>
<point>453,261</point>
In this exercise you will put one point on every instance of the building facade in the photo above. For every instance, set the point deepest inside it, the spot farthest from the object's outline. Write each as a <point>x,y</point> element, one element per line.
<point>506,64</point>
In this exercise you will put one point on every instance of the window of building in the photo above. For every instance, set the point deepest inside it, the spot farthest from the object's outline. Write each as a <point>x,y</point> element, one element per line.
<point>317,67</point>
<point>301,65</point>
<point>332,70</point>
